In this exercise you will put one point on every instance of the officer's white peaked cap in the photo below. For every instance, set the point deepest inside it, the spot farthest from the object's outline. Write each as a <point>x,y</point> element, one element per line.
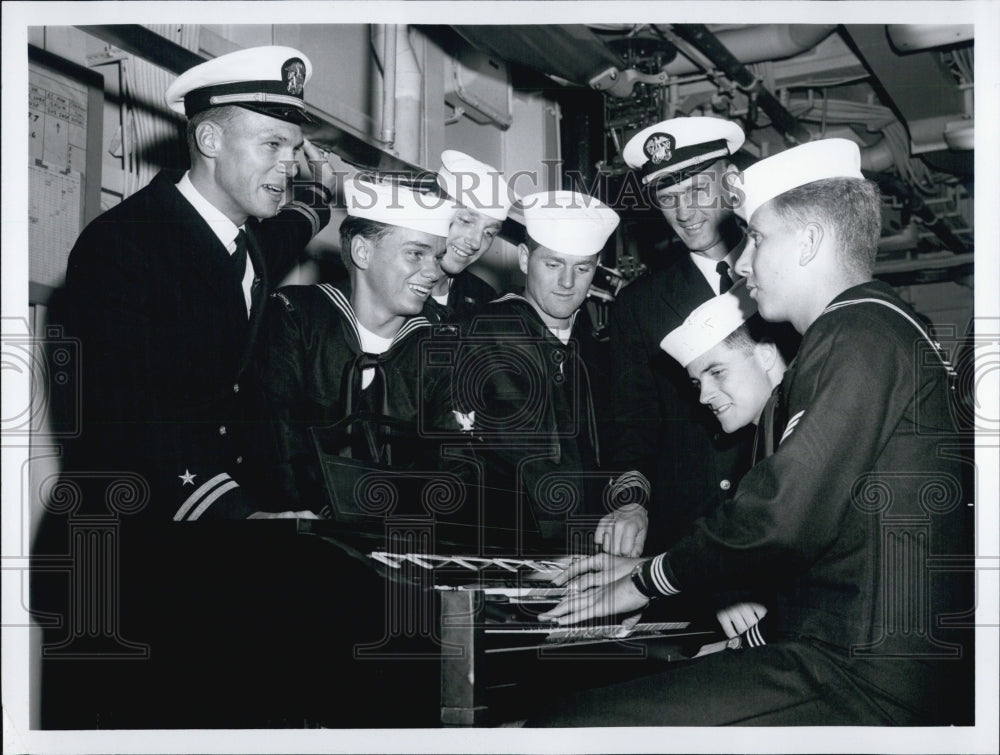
<point>798,166</point>
<point>474,184</point>
<point>677,148</point>
<point>568,222</point>
<point>710,324</point>
<point>268,80</point>
<point>399,205</point>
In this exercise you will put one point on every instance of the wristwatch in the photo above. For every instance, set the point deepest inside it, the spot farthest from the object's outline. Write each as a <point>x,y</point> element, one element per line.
<point>640,582</point>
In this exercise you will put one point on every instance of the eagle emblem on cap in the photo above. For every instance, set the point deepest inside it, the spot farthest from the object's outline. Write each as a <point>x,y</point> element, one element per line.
<point>659,147</point>
<point>293,74</point>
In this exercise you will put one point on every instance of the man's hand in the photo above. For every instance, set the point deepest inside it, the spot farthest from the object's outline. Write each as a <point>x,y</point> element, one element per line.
<point>328,164</point>
<point>618,597</point>
<point>623,531</point>
<point>594,571</point>
<point>737,619</point>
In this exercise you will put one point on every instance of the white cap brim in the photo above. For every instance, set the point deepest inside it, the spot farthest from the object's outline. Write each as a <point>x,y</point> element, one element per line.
<point>394,204</point>
<point>569,222</point>
<point>710,324</point>
<point>474,184</point>
<point>795,167</point>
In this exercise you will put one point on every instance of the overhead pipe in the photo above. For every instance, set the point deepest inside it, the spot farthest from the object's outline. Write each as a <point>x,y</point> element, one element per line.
<point>890,184</point>
<point>754,44</point>
<point>409,85</point>
<point>875,158</point>
<point>706,43</point>
<point>916,37</point>
<point>387,134</point>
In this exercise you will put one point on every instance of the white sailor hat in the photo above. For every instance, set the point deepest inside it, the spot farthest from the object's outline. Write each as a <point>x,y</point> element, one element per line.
<point>676,149</point>
<point>268,80</point>
<point>568,222</point>
<point>474,184</point>
<point>395,204</point>
<point>710,324</point>
<point>825,158</point>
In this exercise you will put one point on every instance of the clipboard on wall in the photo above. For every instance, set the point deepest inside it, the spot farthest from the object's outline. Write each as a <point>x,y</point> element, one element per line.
<point>65,125</point>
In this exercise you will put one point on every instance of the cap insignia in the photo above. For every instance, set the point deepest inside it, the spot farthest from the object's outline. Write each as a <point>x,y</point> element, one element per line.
<point>293,74</point>
<point>659,147</point>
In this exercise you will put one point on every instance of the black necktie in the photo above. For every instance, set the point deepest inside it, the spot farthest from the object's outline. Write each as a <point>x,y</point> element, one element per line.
<point>239,258</point>
<point>725,281</point>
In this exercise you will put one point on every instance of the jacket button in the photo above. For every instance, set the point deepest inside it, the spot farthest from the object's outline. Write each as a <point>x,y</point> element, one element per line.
<point>236,388</point>
<point>239,459</point>
<point>222,429</point>
<point>725,484</point>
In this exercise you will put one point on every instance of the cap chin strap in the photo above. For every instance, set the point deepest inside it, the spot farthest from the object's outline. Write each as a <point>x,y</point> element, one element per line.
<point>257,97</point>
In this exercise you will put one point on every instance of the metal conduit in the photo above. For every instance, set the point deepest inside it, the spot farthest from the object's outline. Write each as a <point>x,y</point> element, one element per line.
<point>387,134</point>
<point>706,43</point>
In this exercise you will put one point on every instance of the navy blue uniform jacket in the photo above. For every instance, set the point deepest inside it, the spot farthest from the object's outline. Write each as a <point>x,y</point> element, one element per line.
<point>858,521</point>
<point>658,427</point>
<point>535,412</point>
<point>309,356</point>
<point>168,404</point>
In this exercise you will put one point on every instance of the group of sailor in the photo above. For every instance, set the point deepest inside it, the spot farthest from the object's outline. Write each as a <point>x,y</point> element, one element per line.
<point>710,462</point>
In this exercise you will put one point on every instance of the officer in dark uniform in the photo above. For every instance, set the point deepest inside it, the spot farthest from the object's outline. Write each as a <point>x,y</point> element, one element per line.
<point>167,290</point>
<point>165,294</point>
<point>483,198</point>
<point>670,461</point>
<point>528,367</point>
<point>847,517</point>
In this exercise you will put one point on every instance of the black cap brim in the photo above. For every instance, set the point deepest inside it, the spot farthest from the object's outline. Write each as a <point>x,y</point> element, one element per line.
<point>286,113</point>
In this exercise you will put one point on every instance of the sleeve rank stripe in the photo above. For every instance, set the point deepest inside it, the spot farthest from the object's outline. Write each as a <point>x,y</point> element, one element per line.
<point>202,490</point>
<point>660,581</point>
<point>317,189</point>
<point>212,498</point>
<point>306,210</point>
<point>754,638</point>
<point>791,426</point>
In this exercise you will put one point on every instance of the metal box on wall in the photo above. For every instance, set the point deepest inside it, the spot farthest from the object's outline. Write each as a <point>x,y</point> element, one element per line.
<point>479,85</point>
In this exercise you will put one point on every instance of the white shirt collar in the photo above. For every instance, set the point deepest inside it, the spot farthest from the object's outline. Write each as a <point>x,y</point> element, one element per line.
<point>707,267</point>
<point>442,299</point>
<point>371,342</point>
<point>221,225</point>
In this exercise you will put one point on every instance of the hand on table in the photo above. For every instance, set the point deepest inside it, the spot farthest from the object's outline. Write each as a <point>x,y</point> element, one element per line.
<point>623,531</point>
<point>737,619</point>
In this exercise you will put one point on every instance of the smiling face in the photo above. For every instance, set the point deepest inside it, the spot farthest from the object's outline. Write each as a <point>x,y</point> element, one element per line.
<point>556,284</point>
<point>254,159</point>
<point>400,270</point>
<point>732,383</point>
<point>469,237</point>
<point>697,209</point>
<point>769,262</point>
